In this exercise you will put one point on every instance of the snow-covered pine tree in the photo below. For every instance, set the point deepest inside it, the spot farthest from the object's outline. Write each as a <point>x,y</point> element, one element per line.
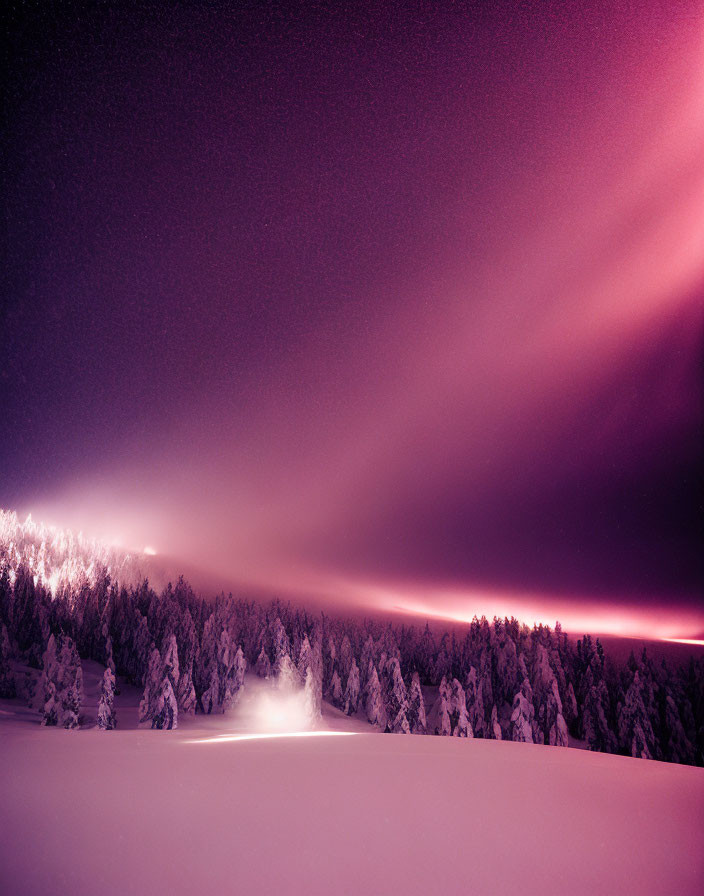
<point>29,616</point>
<point>557,733</point>
<point>424,652</point>
<point>549,726</point>
<point>444,689</point>
<point>69,695</point>
<point>440,714</point>
<point>186,693</point>
<point>46,696</point>
<point>206,660</point>
<point>7,677</point>
<point>395,698</point>
<point>352,690</point>
<point>263,666</point>
<point>140,652</point>
<point>329,661</point>
<point>234,681</point>
<point>336,697</point>
<point>225,659</point>
<point>209,697</point>
<point>110,661</point>
<point>366,661</point>
<point>310,700</point>
<point>416,707</point>
<point>459,722</point>
<point>152,686</point>
<point>373,703</point>
<point>506,667</point>
<point>305,658</point>
<point>495,727</point>
<point>165,709</point>
<point>594,726</point>
<point>281,644</point>
<point>635,731</point>
<point>443,661</point>
<point>106,705</point>
<point>680,748</point>
<point>61,683</point>
<point>523,714</point>
<point>170,660</point>
<point>286,674</point>
<point>317,666</point>
<point>475,702</point>
<point>485,687</point>
<point>6,590</point>
<point>186,637</point>
<point>569,705</point>
<point>344,660</point>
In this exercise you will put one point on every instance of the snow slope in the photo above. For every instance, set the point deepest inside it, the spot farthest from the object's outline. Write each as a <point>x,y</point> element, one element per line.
<point>140,811</point>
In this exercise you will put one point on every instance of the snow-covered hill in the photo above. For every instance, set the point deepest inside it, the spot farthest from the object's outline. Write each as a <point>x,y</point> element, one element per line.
<point>197,811</point>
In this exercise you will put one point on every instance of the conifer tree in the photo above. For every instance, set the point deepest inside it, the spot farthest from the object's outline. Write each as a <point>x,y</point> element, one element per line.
<point>170,660</point>
<point>305,659</point>
<point>636,736</point>
<point>110,661</point>
<point>186,638</point>
<point>209,698</point>
<point>424,655</point>
<point>186,693</point>
<point>496,732</point>
<point>416,707</point>
<point>475,702</point>
<point>395,698</point>
<point>7,677</point>
<point>459,723</point>
<point>72,684</point>
<point>234,680</point>
<point>441,710</point>
<point>48,703</point>
<point>549,726</point>
<point>507,675</point>
<point>61,683</point>
<point>152,686</point>
<point>680,748</point>
<point>570,710</point>
<point>165,709</point>
<point>373,703</point>
<point>594,725</point>
<point>352,690</point>
<point>29,616</point>
<point>344,660</point>
<point>523,714</point>
<point>366,661</point>
<point>310,701</point>
<point>106,706</point>
<point>263,666</point>
<point>286,674</point>
<point>329,661</point>
<point>336,697</point>
<point>281,644</point>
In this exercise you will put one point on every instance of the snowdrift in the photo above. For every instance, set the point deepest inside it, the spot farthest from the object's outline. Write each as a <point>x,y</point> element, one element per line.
<point>141,811</point>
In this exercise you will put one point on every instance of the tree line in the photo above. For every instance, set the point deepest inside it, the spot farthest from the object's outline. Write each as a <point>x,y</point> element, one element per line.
<point>499,680</point>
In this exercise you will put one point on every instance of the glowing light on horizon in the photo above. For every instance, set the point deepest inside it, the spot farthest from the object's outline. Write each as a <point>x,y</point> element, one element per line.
<point>694,641</point>
<point>619,622</point>
<point>270,735</point>
<point>577,614</point>
<point>149,551</point>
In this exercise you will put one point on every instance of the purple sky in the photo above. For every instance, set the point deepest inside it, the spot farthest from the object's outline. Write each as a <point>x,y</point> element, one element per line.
<point>401,307</point>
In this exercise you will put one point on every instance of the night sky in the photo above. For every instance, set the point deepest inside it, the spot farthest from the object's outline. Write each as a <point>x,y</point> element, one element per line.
<point>399,305</point>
